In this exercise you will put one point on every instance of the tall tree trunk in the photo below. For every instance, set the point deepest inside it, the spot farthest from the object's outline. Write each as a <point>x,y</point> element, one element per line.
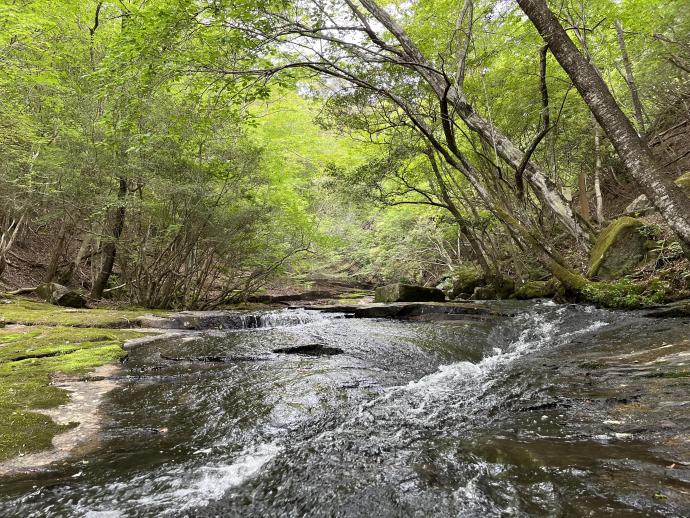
<point>668,198</point>
<point>55,257</point>
<point>110,247</point>
<point>630,79</point>
<point>599,200</point>
<point>582,195</point>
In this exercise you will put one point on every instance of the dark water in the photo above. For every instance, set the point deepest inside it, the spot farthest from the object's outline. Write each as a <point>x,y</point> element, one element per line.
<point>535,414</point>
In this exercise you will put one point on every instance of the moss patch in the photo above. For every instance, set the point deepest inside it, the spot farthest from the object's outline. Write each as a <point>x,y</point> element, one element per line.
<point>619,247</point>
<point>465,278</point>
<point>537,289</point>
<point>624,293</point>
<point>29,357</point>
<point>17,310</point>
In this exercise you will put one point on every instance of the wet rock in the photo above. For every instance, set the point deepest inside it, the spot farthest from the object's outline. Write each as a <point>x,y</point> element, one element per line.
<point>672,310</point>
<point>408,310</point>
<point>309,350</point>
<point>61,295</point>
<point>293,297</point>
<point>408,293</point>
<point>213,359</point>
<point>619,249</point>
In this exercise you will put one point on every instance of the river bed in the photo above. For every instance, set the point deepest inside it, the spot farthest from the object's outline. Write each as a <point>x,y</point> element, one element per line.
<point>549,410</point>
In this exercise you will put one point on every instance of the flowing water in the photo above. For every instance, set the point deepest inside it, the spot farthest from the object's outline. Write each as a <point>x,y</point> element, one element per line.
<point>532,413</point>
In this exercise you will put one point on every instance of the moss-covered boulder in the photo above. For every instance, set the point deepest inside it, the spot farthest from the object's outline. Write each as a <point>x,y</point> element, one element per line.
<point>536,290</point>
<point>464,279</point>
<point>501,288</point>
<point>619,249</point>
<point>60,295</point>
<point>484,293</point>
<point>408,293</point>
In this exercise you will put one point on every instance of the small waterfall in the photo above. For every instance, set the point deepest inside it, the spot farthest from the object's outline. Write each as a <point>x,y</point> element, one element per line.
<point>229,320</point>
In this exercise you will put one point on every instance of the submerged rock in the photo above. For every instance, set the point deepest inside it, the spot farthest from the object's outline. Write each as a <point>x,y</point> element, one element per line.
<point>619,249</point>
<point>61,295</point>
<point>309,350</point>
<point>408,293</point>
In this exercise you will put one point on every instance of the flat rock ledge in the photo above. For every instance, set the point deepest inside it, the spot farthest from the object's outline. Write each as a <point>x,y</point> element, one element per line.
<point>409,310</point>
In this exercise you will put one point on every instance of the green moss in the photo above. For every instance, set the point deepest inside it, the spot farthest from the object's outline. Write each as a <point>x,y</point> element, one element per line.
<point>607,239</point>
<point>536,289</point>
<point>354,295</point>
<point>625,293</point>
<point>29,358</point>
<point>26,432</point>
<point>465,278</point>
<point>18,310</point>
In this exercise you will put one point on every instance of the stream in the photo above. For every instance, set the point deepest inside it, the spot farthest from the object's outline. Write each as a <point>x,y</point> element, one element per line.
<point>547,410</point>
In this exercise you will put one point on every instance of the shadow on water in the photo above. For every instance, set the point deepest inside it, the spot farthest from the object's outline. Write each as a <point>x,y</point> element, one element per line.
<point>558,410</point>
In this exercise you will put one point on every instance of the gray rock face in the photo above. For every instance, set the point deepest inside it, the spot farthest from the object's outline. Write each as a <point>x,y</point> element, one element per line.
<point>408,293</point>
<point>61,295</point>
<point>639,206</point>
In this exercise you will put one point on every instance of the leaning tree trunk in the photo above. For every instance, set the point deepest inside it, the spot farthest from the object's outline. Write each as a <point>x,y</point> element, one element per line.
<point>543,187</point>
<point>110,247</point>
<point>668,198</point>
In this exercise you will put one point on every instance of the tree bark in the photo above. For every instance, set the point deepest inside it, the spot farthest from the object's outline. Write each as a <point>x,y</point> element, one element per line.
<point>630,79</point>
<point>110,247</point>
<point>669,199</point>
<point>582,195</point>
<point>599,200</point>
<point>55,257</point>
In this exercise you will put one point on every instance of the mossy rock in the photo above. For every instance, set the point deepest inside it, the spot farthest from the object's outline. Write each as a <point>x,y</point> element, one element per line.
<point>619,249</point>
<point>464,279</point>
<point>484,293</point>
<point>683,181</point>
<point>60,295</point>
<point>500,289</point>
<point>408,293</point>
<point>536,290</point>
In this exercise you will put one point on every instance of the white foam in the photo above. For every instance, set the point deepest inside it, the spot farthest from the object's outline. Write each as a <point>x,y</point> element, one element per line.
<point>213,482</point>
<point>539,333</point>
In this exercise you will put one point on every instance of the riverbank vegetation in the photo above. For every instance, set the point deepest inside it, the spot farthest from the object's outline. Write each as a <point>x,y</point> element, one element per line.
<point>192,154</point>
